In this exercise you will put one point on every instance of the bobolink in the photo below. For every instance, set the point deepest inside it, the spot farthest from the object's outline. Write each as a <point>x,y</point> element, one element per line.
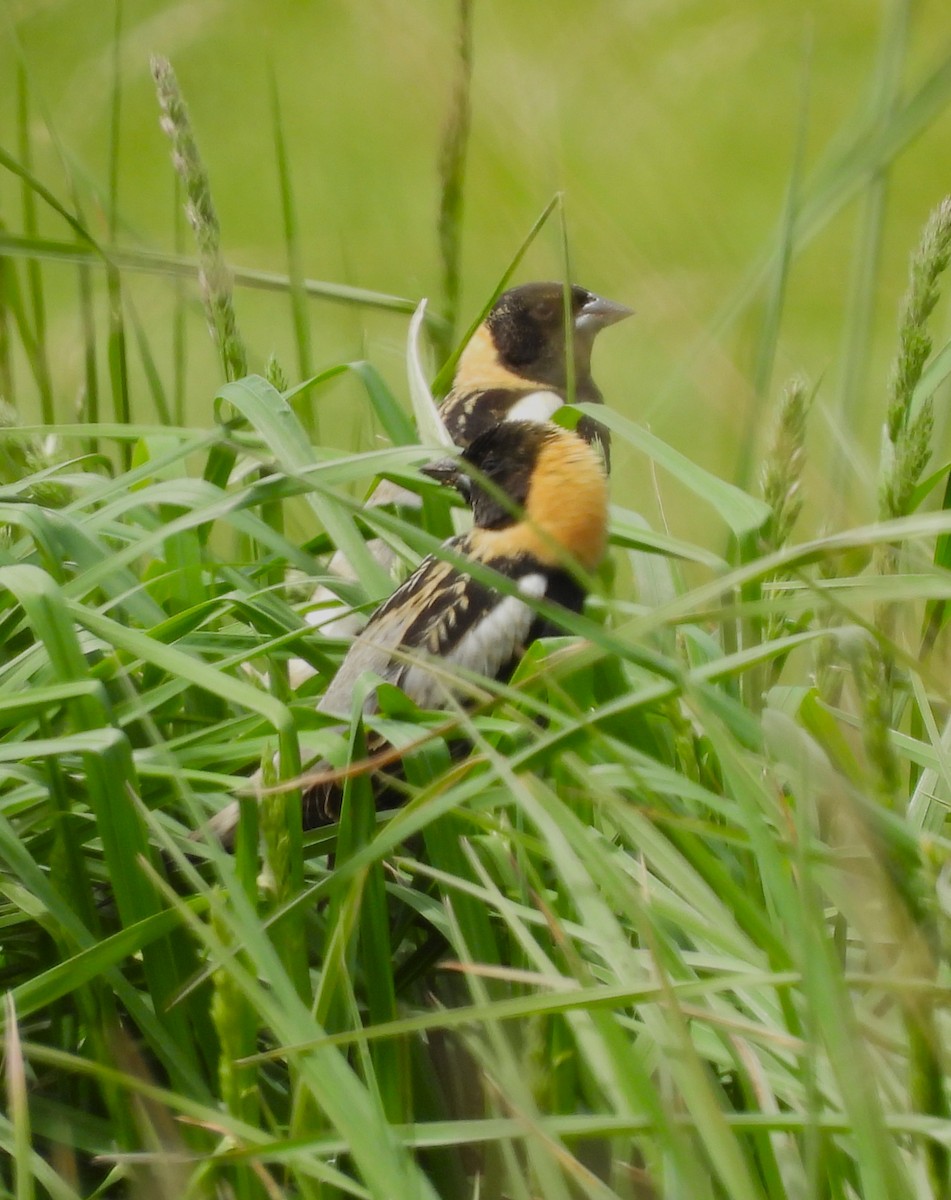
<point>515,476</point>
<point>515,367</point>
<point>516,364</point>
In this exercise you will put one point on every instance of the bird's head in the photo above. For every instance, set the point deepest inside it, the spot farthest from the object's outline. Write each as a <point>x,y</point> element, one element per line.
<point>527,327</point>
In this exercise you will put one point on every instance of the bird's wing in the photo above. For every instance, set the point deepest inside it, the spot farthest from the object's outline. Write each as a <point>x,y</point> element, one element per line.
<point>449,619</point>
<point>477,629</point>
<point>416,600</point>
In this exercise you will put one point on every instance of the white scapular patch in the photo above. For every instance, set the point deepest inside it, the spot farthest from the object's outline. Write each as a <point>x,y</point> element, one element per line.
<point>533,585</point>
<point>536,406</point>
<point>485,648</point>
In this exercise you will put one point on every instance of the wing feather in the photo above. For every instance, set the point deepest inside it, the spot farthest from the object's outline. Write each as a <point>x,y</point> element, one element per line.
<point>444,615</point>
<point>423,594</point>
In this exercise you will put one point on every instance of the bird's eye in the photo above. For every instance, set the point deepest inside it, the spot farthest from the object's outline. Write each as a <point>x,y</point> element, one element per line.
<point>544,311</point>
<point>490,464</point>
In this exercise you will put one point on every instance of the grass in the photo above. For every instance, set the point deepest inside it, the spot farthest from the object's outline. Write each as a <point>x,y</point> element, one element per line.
<point>677,927</point>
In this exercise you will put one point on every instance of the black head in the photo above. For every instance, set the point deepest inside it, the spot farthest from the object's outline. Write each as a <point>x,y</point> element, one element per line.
<point>527,325</point>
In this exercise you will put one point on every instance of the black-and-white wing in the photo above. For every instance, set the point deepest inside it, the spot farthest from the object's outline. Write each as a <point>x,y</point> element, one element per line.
<point>438,619</point>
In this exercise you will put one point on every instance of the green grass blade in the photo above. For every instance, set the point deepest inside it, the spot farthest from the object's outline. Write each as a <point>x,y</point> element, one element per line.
<point>741,512</point>
<point>443,380</point>
<point>452,169</point>
<point>298,296</point>
<point>39,359</point>
<point>272,416</point>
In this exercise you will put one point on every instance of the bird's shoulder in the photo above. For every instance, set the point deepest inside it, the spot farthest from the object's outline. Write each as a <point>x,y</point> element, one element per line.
<point>468,411</point>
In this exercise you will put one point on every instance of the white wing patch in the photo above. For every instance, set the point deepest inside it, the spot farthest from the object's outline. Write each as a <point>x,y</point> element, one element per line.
<point>533,585</point>
<point>536,406</point>
<point>485,648</point>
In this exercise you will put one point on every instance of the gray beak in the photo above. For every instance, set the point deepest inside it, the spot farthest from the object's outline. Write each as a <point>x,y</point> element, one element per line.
<point>446,471</point>
<point>598,313</point>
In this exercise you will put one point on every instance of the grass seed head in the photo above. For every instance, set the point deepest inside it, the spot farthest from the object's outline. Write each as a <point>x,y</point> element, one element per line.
<point>214,277</point>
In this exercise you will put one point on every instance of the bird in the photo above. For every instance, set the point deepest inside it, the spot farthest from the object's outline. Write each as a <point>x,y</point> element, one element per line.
<point>515,476</point>
<point>518,365</point>
<point>442,621</point>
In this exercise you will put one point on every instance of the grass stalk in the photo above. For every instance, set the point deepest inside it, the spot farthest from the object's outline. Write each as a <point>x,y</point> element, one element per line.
<point>860,305</point>
<point>452,177</point>
<point>118,356</point>
<point>295,272</point>
<point>179,343</point>
<point>34,277</point>
<point>214,277</point>
<point>7,285</point>
<point>909,422</point>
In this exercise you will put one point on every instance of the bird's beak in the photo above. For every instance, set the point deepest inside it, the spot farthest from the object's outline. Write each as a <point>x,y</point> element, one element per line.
<point>446,471</point>
<point>598,313</point>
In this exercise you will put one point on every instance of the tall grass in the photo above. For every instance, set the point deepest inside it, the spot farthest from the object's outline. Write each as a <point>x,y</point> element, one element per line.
<point>678,925</point>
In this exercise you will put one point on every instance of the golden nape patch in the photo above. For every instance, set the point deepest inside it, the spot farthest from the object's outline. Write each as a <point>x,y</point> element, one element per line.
<point>479,367</point>
<point>567,508</point>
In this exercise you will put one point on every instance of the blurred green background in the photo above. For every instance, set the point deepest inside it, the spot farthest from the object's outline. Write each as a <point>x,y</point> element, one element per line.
<point>692,140</point>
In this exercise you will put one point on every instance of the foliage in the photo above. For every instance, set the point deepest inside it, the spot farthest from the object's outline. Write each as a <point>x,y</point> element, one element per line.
<point>677,925</point>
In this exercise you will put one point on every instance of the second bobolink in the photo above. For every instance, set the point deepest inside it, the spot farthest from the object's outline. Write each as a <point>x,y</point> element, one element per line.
<point>519,364</point>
